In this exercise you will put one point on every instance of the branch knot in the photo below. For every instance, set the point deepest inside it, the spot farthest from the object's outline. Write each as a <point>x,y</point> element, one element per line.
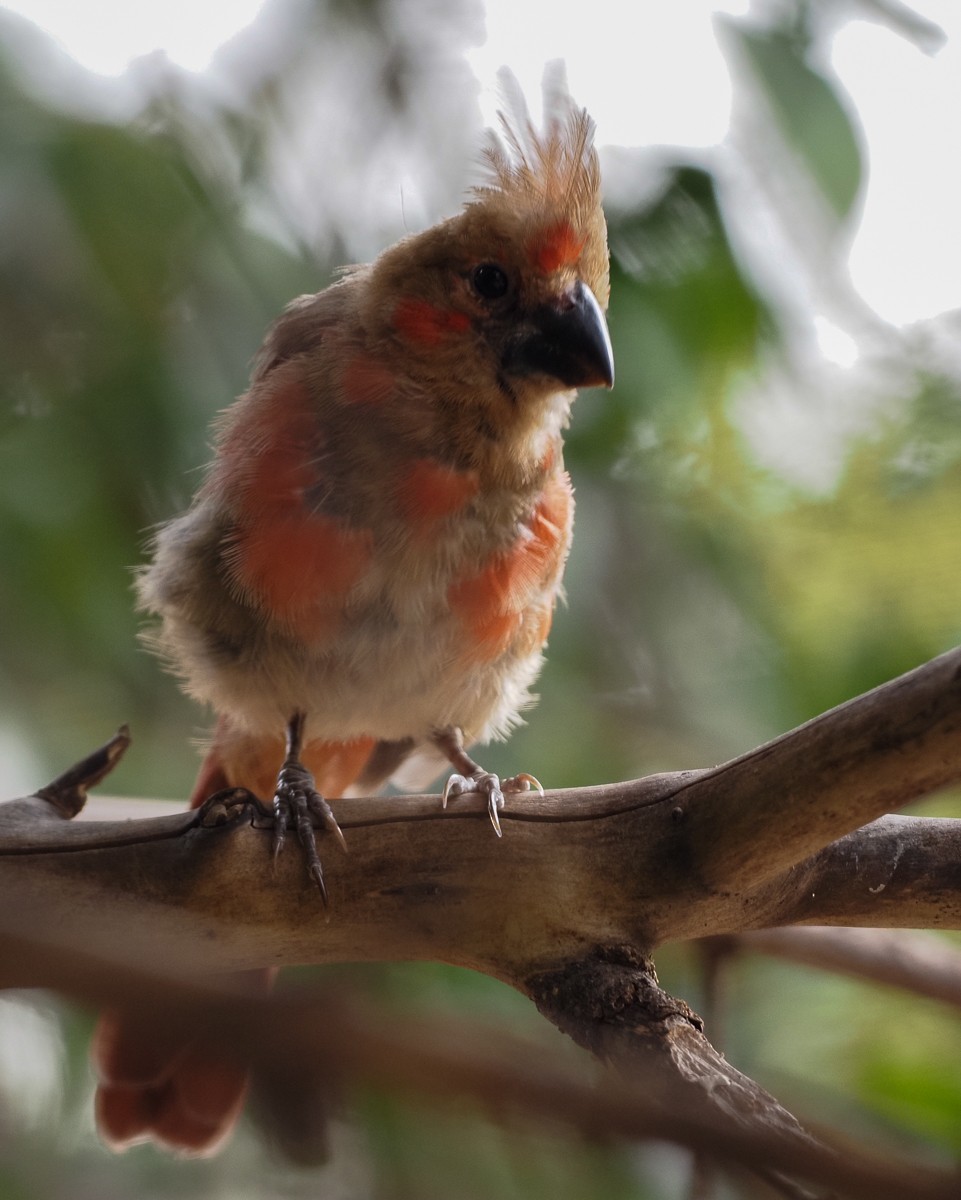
<point>613,985</point>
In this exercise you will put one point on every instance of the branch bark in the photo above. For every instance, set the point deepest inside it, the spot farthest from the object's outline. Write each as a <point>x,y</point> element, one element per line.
<point>631,863</point>
<point>772,808</point>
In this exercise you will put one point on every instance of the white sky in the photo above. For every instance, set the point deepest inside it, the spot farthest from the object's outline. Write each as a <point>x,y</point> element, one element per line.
<point>906,257</point>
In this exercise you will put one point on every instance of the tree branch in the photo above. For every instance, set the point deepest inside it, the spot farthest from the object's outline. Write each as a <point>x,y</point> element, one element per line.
<point>566,908</point>
<point>626,863</point>
<point>772,808</point>
<point>916,962</point>
<point>333,1039</point>
<point>897,871</point>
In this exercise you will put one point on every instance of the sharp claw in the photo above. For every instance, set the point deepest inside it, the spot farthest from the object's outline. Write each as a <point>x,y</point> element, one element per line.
<point>296,802</point>
<point>448,786</point>
<point>305,835</point>
<point>532,782</point>
<point>320,806</point>
<point>457,785</point>
<point>336,830</point>
<point>494,802</point>
<point>280,830</point>
<point>317,875</point>
<point>469,776</point>
<point>487,785</point>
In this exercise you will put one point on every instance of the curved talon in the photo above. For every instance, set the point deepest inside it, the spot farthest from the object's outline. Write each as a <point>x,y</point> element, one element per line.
<point>320,808</point>
<point>486,784</point>
<point>280,808</point>
<point>296,800</point>
<point>523,782</point>
<point>469,776</point>
<point>293,803</point>
<point>455,786</point>
<point>495,801</point>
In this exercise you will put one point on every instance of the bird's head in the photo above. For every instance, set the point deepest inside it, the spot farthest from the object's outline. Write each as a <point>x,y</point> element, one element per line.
<point>513,289</point>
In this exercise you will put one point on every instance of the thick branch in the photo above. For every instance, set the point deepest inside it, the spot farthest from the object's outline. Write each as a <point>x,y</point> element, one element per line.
<point>768,810</point>
<point>628,863</point>
<point>897,871</point>
<point>612,1004</point>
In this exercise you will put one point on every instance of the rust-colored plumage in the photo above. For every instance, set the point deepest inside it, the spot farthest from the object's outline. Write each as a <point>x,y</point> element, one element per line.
<point>379,542</point>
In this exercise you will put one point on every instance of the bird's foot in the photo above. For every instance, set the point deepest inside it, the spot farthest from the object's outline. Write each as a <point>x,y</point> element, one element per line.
<point>491,786</point>
<point>296,802</point>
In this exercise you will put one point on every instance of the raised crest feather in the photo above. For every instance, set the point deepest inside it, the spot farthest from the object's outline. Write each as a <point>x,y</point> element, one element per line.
<point>557,164</point>
<point>548,178</point>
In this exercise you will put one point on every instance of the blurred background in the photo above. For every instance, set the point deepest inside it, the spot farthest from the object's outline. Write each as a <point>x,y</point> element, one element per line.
<point>769,502</point>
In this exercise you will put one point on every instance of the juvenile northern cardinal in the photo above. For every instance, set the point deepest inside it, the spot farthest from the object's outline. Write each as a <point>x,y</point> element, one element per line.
<point>371,565</point>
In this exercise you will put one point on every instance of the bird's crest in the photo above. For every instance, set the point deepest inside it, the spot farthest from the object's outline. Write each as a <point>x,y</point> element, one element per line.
<point>549,177</point>
<point>554,166</point>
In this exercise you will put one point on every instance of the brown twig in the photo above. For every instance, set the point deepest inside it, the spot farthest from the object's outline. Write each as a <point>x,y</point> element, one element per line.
<point>68,792</point>
<point>917,962</point>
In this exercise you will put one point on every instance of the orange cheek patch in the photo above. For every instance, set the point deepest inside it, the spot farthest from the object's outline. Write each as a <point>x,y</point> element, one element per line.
<point>424,323</point>
<point>430,491</point>
<point>559,246</point>
<point>298,567</point>
<point>366,381</point>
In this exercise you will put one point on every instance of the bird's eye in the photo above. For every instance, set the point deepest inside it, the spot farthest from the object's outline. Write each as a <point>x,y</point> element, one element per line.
<point>490,281</point>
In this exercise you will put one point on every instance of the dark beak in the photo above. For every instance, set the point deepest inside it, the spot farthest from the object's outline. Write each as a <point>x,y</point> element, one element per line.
<point>566,339</point>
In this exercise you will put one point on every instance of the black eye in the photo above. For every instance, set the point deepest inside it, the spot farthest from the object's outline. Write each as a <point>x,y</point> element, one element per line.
<point>490,281</point>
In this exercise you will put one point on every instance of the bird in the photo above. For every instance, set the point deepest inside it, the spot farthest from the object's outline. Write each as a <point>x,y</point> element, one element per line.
<point>363,585</point>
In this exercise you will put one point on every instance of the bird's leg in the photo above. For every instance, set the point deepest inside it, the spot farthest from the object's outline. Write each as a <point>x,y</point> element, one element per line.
<point>296,800</point>
<point>469,776</point>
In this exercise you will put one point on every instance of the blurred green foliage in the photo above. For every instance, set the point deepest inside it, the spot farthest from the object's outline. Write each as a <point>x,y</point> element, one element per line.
<point>809,111</point>
<point>716,595</point>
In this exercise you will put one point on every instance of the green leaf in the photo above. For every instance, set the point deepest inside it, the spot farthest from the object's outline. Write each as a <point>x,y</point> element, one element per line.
<point>809,108</point>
